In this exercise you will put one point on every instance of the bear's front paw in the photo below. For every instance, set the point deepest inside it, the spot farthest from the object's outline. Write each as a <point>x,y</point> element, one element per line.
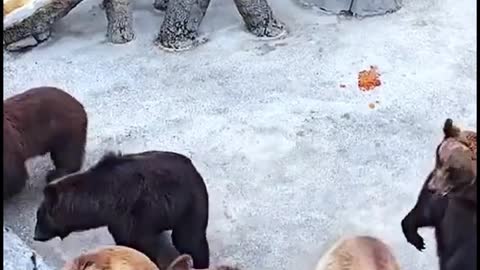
<point>417,241</point>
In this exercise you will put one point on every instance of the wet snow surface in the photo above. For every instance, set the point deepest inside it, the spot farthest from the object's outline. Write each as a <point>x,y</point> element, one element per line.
<point>292,161</point>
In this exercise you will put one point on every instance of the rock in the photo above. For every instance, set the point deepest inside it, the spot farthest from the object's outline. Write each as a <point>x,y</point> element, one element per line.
<point>259,19</point>
<point>355,7</point>
<point>374,7</point>
<point>330,6</point>
<point>18,256</point>
<point>43,36</point>
<point>35,20</point>
<point>22,44</point>
<point>160,4</point>
<point>119,21</point>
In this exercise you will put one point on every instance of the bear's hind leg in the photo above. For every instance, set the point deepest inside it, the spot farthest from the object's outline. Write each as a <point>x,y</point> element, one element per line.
<point>192,241</point>
<point>14,178</point>
<point>67,158</point>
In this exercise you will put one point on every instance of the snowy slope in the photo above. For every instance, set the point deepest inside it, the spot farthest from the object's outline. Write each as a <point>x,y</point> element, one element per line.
<point>292,160</point>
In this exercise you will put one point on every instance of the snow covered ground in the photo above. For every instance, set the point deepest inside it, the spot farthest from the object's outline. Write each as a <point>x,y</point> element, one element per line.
<point>292,161</point>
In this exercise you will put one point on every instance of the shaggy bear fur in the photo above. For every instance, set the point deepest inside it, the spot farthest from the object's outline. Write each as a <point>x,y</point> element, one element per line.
<point>454,224</point>
<point>111,258</point>
<point>39,121</point>
<point>455,171</point>
<point>184,262</point>
<point>359,253</point>
<point>137,196</point>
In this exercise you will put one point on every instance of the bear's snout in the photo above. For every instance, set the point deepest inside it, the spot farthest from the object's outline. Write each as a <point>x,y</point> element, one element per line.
<point>42,235</point>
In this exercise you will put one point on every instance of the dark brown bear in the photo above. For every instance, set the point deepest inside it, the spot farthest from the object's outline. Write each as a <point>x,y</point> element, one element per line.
<point>137,196</point>
<point>39,121</point>
<point>455,229</point>
<point>452,217</point>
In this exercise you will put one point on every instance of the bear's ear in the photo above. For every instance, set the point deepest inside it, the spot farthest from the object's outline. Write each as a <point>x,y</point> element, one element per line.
<point>51,194</point>
<point>449,130</point>
<point>182,262</point>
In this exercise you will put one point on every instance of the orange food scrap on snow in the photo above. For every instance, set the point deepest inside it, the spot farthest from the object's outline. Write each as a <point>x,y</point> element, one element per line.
<point>368,79</point>
<point>371,105</point>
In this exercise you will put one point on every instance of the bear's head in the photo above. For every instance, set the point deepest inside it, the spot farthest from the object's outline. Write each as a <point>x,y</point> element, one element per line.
<point>49,222</point>
<point>185,262</point>
<point>455,170</point>
<point>360,252</point>
<point>111,258</point>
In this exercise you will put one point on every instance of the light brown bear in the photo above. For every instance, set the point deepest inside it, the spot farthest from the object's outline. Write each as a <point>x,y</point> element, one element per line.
<point>358,253</point>
<point>455,171</point>
<point>111,258</point>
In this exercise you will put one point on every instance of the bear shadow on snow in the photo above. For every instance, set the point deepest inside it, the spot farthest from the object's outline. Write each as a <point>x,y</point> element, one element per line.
<point>38,121</point>
<point>137,196</point>
<point>453,218</point>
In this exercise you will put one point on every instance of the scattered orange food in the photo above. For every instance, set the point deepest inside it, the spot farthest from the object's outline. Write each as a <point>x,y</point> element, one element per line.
<point>371,105</point>
<point>369,79</point>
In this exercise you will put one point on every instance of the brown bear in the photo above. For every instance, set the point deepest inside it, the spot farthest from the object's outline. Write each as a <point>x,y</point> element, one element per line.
<point>358,253</point>
<point>111,258</point>
<point>137,196</point>
<point>455,170</point>
<point>452,216</point>
<point>39,121</point>
<point>455,229</point>
<point>185,262</point>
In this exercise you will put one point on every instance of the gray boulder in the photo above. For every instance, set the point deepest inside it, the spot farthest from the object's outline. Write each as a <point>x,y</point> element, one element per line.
<point>355,7</point>
<point>18,256</point>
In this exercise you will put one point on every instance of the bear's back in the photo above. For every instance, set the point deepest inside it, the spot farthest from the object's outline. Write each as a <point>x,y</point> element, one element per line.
<point>43,106</point>
<point>154,168</point>
<point>139,179</point>
<point>40,117</point>
<point>35,96</point>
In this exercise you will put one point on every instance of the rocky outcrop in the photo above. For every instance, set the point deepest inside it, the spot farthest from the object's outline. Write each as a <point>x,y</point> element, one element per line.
<point>360,8</point>
<point>18,256</point>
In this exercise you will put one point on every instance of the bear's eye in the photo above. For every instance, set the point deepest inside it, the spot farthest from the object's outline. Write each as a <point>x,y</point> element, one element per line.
<point>459,176</point>
<point>87,265</point>
<point>454,173</point>
<point>438,161</point>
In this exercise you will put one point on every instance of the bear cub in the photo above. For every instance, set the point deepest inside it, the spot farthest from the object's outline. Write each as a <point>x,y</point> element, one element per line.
<point>137,196</point>
<point>39,121</point>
